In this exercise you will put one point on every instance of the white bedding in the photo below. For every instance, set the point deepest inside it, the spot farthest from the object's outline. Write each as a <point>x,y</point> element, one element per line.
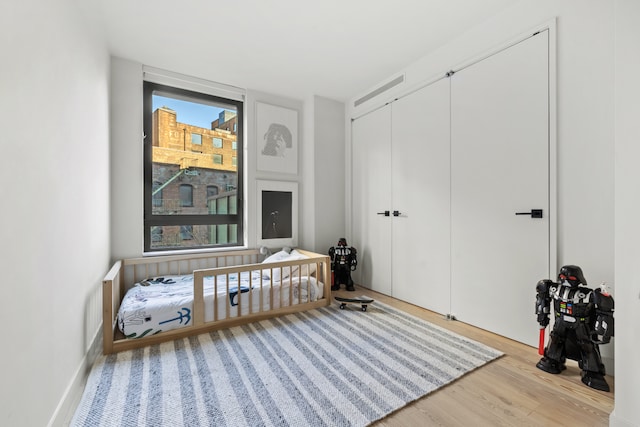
<point>164,303</point>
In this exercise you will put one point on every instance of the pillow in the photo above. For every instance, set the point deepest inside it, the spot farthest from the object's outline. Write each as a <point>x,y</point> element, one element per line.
<point>284,272</point>
<point>278,256</point>
<point>306,267</point>
<point>276,273</point>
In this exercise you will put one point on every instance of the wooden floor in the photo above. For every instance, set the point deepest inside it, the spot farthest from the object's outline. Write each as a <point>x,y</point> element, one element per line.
<point>509,391</point>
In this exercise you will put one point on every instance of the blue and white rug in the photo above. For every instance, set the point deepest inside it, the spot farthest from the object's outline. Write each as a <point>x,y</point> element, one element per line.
<point>324,367</point>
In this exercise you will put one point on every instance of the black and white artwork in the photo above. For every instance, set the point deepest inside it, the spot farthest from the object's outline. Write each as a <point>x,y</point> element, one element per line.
<point>277,138</point>
<point>277,213</point>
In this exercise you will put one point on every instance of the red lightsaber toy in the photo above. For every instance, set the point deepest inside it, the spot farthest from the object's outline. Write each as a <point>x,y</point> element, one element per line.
<point>541,342</point>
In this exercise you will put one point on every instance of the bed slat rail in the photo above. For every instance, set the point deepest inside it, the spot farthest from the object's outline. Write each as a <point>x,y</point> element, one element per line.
<point>112,293</point>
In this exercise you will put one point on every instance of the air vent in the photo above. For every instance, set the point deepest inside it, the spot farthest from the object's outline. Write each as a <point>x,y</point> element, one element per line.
<point>378,91</point>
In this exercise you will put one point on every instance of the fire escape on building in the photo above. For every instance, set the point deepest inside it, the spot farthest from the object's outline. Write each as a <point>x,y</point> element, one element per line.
<point>187,167</point>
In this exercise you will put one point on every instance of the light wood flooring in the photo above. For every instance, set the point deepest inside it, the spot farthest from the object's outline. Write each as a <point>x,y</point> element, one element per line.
<point>509,391</point>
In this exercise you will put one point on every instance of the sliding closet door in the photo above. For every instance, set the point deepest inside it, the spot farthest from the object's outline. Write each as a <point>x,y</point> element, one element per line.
<point>371,197</point>
<point>500,169</point>
<point>420,165</point>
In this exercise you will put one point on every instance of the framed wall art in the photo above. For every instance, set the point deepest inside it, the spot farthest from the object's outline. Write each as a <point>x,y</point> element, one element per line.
<point>276,138</point>
<point>277,213</point>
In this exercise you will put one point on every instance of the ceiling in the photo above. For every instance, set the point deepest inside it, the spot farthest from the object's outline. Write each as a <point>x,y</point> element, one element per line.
<point>294,48</point>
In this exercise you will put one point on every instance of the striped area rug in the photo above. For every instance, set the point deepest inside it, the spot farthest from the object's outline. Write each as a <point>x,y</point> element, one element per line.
<point>324,367</point>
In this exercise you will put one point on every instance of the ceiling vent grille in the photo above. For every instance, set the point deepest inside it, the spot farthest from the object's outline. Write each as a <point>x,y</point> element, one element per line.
<point>378,91</point>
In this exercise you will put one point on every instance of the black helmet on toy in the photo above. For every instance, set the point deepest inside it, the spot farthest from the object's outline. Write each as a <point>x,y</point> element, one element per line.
<point>573,275</point>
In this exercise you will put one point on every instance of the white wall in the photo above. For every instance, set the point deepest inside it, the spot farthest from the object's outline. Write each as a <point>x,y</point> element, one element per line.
<point>585,121</point>
<point>322,170</point>
<point>126,152</point>
<point>627,205</point>
<point>54,83</point>
<point>330,173</point>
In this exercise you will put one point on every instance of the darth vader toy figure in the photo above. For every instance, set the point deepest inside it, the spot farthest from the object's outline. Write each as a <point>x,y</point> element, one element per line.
<point>343,261</point>
<point>583,321</point>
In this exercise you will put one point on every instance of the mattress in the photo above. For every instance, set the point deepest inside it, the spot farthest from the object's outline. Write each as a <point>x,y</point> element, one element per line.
<point>164,303</point>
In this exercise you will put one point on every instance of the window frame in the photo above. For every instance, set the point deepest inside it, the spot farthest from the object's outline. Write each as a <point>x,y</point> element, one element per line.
<point>152,220</point>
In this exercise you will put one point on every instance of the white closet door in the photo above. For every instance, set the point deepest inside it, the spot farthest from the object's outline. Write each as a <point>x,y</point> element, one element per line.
<point>421,194</point>
<point>371,189</point>
<point>500,167</point>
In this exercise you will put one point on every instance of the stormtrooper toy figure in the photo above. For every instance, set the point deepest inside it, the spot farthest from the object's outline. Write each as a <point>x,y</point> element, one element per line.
<point>583,320</point>
<point>343,262</point>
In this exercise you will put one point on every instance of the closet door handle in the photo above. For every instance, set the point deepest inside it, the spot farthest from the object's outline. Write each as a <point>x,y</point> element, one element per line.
<point>535,213</point>
<point>385,213</point>
<point>397,213</point>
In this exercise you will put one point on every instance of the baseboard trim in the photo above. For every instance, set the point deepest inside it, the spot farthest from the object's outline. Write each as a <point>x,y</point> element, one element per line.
<point>71,398</point>
<point>615,421</point>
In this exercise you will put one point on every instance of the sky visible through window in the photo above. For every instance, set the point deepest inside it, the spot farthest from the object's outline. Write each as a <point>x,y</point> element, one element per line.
<point>190,113</point>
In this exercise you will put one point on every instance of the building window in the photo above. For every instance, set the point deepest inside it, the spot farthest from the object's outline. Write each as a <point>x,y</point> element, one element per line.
<point>157,194</point>
<point>181,187</point>
<point>186,232</point>
<point>235,127</point>
<point>217,142</point>
<point>234,145</point>
<point>234,161</point>
<point>223,205</point>
<point>156,234</point>
<point>186,195</point>
<point>223,232</point>
<point>212,190</point>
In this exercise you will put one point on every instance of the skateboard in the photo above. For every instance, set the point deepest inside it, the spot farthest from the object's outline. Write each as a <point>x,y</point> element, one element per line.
<point>344,301</point>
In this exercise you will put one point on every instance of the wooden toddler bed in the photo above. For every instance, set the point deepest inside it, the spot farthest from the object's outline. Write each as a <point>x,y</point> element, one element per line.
<point>156,299</point>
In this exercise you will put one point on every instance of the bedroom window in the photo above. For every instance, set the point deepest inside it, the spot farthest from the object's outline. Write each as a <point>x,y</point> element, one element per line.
<point>192,199</point>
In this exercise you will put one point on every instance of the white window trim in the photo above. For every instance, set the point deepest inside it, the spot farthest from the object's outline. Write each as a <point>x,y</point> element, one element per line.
<point>169,78</point>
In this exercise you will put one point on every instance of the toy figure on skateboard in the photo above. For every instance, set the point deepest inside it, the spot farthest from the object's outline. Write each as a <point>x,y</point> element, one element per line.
<point>343,262</point>
<point>583,321</point>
